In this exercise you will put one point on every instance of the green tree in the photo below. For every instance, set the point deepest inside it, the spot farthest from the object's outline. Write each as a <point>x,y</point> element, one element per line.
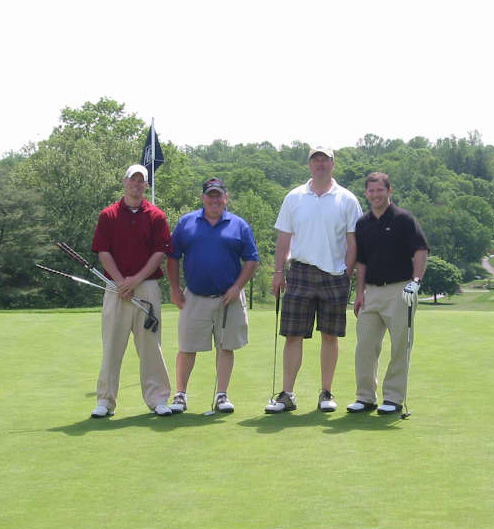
<point>440,277</point>
<point>76,173</point>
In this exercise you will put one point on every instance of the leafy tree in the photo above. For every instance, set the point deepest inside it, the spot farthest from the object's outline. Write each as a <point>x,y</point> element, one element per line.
<point>76,173</point>
<point>440,277</point>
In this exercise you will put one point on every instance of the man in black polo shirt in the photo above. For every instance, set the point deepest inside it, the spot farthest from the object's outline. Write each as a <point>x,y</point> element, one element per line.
<point>391,261</point>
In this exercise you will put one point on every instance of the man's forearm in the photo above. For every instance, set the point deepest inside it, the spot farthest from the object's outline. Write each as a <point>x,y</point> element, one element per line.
<point>247,272</point>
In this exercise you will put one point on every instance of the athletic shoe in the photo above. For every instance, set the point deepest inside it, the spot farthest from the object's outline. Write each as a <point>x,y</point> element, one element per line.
<point>326,401</point>
<point>101,411</point>
<point>179,402</point>
<point>162,410</point>
<point>283,402</point>
<point>388,407</point>
<point>223,404</point>
<point>359,406</point>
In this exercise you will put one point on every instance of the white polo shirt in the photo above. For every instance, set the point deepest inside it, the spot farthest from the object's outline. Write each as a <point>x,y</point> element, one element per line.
<point>319,225</point>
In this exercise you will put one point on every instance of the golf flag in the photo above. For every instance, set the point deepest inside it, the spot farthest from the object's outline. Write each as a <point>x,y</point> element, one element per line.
<point>152,155</point>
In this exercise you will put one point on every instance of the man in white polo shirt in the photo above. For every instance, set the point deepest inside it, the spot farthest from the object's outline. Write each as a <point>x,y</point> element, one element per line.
<point>316,232</point>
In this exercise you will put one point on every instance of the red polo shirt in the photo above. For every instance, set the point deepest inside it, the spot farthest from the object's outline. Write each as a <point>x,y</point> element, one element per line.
<point>131,238</point>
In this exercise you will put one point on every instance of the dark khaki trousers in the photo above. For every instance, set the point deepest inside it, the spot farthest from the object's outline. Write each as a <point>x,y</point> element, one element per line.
<point>384,310</point>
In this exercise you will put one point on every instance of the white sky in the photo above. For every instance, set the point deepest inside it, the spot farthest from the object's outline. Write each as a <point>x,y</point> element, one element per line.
<point>325,72</point>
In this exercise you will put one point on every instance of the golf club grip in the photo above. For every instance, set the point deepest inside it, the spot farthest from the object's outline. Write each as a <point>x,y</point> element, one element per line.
<point>73,254</point>
<point>225,312</point>
<point>410,315</point>
<point>278,297</point>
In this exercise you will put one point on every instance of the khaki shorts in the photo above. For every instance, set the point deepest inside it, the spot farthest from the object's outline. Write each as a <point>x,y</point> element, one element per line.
<point>202,317</point>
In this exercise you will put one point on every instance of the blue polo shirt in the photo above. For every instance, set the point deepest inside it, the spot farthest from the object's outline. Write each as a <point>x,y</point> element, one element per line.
<point>212,254</point>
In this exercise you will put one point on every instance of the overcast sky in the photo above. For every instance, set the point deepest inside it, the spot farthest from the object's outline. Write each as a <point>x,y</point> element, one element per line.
<point>325,72</point>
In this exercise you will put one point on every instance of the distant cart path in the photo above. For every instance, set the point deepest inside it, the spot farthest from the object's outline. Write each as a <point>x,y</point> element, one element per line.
<point>487,265</point>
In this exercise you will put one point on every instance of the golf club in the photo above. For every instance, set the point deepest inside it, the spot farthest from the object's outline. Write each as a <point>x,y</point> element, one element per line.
<point>277,311</point>
<point>222,339</point>
<point>151,322</point>
<point>407,414</point>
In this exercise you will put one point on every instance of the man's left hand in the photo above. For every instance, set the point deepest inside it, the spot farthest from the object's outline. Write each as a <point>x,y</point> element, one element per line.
<point>410,292</point>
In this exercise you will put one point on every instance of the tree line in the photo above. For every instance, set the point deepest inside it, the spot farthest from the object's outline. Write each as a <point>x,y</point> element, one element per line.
<point>54,191</point>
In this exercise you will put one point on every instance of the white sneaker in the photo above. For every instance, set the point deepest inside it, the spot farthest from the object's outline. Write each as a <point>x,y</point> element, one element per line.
<point>179,403</point>
<point>223,404</point>
<point>162,410</point>
<point>359,406</point>
<point>326,401</point>
<point>101,411</point>
<point>388,407</point>
<point>284,402</point>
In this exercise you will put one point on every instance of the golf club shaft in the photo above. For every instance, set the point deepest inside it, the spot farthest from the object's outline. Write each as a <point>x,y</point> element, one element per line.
<point>409,351</point>
<point>75,278</point>
<point>77,257</point>
<point>222,339</point>
<point>277,311</point>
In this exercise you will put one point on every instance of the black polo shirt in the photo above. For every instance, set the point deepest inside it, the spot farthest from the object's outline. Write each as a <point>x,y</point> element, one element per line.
<point>386,245</point>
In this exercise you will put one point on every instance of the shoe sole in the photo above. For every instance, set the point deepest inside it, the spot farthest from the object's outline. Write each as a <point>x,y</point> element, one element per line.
<point>224,411</point>
<point>95,416</point>
<point>176,412</point>
<point>274,412</point>
<point>384,412</point>
<point>327,410</point>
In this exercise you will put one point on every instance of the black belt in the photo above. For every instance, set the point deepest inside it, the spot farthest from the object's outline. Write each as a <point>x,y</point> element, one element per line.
<point>384,283</point>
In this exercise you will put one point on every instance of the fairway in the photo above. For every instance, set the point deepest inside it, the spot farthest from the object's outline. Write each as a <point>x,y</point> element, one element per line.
<point>60,469</point>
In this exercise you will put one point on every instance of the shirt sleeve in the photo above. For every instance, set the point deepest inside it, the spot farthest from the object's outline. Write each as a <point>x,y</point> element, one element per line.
<point>162,241</point>
<point>176,238</point>
<point>355,212</point>
<point>284,220</point>
<point>249,252</point>
<point>102,235</point>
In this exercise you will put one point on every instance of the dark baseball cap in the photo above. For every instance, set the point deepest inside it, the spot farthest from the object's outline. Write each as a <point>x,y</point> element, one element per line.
<point>214,184</point>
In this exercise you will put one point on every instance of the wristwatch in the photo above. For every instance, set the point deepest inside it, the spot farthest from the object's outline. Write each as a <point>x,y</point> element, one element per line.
<point>417,280</point>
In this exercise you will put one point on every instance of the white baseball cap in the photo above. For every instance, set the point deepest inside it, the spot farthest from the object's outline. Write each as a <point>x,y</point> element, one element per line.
<point>137,168</point>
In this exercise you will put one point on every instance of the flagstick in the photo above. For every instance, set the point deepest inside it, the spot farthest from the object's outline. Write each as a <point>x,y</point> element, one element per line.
<point>153,156</point>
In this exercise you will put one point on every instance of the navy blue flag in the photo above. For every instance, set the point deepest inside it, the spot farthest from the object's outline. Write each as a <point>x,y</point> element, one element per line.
<point>147,155</point>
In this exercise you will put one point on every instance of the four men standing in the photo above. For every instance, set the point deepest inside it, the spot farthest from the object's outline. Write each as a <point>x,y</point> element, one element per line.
<point>321,232</point>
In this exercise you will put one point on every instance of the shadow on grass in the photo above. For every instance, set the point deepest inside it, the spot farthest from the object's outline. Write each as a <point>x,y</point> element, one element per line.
<point>145,420</point>
<point>266,424</point>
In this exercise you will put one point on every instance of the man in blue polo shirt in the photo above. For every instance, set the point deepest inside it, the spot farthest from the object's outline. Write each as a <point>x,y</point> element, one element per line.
<point>213,242</point>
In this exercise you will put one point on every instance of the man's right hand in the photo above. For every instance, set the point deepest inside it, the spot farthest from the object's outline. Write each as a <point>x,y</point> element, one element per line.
<point>279,283</point>
<point>177,297</point>
<point>358,304</point>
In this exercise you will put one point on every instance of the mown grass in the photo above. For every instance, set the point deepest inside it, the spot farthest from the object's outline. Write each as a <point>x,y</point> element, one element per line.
<point>247,470</point>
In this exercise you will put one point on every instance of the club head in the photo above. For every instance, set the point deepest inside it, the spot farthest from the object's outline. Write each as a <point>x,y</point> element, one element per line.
<point>405,415</point>
<point>208,413</point>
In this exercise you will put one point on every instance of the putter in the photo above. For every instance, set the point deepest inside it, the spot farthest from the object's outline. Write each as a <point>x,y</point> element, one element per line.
<point>277,311</point>
<point>407,414</point>
<point>222,339</point>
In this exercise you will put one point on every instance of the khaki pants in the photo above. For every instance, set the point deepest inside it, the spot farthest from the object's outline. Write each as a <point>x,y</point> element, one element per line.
<point>384,309</point>
<point>119,318</point>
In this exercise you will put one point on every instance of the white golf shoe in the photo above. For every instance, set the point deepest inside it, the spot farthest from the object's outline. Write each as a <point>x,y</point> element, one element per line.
<point>359,406</point>
<point>326,401</point>
<point>162,410</point>
<point>223,404</point>
<point>179,402</point>
<point>284,402</point>
<point>101,411</point>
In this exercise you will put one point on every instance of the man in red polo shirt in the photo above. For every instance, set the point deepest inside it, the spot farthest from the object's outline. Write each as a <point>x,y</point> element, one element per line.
<point>131,238</point>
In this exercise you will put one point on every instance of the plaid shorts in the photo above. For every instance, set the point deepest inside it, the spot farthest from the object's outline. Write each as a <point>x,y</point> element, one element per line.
<point>309,291</point>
